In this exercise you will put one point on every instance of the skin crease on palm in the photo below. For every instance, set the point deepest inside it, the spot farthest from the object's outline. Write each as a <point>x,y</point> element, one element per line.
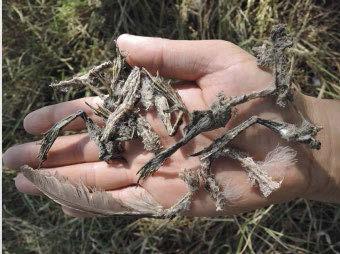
<point>209,67</point>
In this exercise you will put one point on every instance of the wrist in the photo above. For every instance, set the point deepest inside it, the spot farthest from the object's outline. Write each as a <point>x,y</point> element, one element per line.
<point>325,175</point>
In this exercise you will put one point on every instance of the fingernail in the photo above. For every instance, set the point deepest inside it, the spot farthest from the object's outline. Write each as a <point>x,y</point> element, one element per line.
<point>25,186</point>
<point>18,180</point>
<point>6,157</point>
<point>28,120</point>
<point>128,39</point>
<point>15,179</point>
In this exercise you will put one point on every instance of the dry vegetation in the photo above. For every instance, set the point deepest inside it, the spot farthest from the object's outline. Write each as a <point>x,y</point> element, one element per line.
<point>46,41</point>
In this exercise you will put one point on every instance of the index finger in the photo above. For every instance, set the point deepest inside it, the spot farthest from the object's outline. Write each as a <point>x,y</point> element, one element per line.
<point>181,59</point>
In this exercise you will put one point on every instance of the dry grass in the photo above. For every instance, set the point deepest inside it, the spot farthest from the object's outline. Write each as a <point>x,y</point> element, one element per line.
<point>49,40</point>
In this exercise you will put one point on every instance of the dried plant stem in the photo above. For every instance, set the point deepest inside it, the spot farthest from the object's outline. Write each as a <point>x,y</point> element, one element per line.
<point>203,121</point>
<point>85,80</point>
<point>177,123</point>
<point>303,134</point>
<point>191,178</point>
<point>211,185</point>
<point>107,151</point>
<point>272,55</point>
<point>131,86</point>
<point>51,135</point>
<point>222,142</point>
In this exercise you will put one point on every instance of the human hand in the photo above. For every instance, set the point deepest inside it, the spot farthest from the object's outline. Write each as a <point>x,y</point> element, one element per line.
<point>209,67</point>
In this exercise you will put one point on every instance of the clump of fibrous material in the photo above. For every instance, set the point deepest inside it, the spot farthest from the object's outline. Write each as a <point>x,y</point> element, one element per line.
<point>257,171</point>
<point>127,93</point>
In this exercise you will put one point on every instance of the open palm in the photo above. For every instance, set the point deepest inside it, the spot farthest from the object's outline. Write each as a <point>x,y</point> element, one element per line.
<point>208,67</point>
